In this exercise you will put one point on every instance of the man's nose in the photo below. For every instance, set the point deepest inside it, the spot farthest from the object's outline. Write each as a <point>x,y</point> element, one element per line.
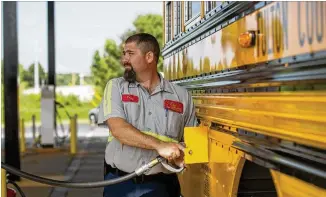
<point>125,60</point>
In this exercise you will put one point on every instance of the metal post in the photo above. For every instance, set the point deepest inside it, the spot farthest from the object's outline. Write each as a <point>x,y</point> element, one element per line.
<point>33,126</point>
<point>51,42</point>
<point>76,125</point>
<point>73,135</point>
<point>3,183</point>
<point>51,50</point>
<point>22,137</point>
<point>10,59</point>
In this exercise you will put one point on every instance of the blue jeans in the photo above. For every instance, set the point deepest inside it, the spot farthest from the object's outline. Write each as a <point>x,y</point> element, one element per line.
<point>131,189</point>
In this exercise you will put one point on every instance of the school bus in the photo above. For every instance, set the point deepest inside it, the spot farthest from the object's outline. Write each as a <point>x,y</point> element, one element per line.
<point>257,75</point>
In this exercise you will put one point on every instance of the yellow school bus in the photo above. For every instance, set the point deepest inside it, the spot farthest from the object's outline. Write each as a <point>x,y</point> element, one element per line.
<point>257,75</point>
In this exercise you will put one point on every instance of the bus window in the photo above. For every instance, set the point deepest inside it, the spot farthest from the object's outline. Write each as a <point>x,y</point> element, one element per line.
<point>210,5</point>
<point>168,19</point>
<point>177,17</point>
<point>191,13</point>
<point>192,10</point>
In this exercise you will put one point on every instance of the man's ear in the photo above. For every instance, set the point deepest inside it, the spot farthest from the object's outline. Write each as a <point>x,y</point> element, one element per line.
<point>150,57</point>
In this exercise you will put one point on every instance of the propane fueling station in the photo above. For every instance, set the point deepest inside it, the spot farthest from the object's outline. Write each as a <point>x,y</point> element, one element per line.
<point>53,165</point>
<point>256,78</point>
<point>71,160</point>
<point>10,47</point>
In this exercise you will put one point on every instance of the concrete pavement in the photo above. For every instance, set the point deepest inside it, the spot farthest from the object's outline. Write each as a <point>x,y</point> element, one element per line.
<point>58,164</point>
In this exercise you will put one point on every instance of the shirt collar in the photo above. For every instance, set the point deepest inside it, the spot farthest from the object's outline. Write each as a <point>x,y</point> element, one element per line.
<point>164,85</point>
<point>134,85</point>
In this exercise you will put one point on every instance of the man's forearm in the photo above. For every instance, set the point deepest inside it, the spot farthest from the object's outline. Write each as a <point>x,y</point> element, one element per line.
<point>129,135</point>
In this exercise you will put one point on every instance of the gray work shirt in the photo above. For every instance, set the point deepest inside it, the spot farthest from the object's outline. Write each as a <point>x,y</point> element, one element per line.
<point>147,113</point>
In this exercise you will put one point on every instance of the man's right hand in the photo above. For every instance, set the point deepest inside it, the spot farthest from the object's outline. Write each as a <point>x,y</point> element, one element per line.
<point>169,150</point>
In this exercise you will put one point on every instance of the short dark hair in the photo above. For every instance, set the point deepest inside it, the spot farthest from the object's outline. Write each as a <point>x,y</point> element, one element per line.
<point>146,42</point>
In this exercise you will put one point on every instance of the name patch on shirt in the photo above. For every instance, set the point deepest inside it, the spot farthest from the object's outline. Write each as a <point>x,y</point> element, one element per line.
<point>173,106</point>
<point>130,98</point>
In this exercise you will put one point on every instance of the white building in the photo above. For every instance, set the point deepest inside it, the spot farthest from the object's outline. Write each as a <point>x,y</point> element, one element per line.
<point>83,92</point>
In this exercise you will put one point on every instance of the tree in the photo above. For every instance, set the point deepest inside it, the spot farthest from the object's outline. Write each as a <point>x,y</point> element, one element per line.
<point>28,75</point>
<point>107,67</point>
<point>112,57</point>
<point>21,72</point>
<point>62,79</point>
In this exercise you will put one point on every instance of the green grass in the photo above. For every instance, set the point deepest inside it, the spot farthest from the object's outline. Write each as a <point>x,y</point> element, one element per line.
<point>30,105</point>
<point>82,113</point>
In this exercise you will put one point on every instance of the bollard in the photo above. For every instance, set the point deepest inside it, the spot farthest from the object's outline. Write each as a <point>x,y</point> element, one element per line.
<point>73,135</point>
<point>22,136</point>
<point>33,126</point>
<point>76,124</point>
<point>3,183</point>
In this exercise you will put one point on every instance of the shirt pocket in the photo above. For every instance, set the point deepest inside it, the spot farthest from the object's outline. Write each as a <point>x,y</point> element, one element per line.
<point>132,110</point>
<point>174,124</point>
<point>170,123</point>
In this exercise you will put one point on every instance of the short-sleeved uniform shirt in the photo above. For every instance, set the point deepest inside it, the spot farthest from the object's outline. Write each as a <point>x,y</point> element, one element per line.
<point>163,114</point>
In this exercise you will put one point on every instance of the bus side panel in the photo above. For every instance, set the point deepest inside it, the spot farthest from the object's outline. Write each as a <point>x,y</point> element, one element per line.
<point>288,186</point>
<point>220,176</point>
<point>212,179</point>
<point>282,29</point>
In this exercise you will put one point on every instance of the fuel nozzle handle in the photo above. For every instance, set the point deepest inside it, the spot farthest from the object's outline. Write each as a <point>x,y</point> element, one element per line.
<point>156,161</point>
<point>142,169</point>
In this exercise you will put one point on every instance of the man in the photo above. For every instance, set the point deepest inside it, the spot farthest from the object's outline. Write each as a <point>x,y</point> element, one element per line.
<point>146,116</point>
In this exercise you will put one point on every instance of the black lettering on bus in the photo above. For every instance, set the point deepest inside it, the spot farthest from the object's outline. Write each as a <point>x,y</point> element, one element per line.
<point>319,10</point>
<point>301,34</point>
<point>272,16</point>
<point>285,25</point>
<point>278,28</point>
<point>309,21</point>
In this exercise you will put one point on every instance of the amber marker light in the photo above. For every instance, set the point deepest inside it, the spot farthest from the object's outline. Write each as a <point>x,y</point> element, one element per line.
<point>247,39</point>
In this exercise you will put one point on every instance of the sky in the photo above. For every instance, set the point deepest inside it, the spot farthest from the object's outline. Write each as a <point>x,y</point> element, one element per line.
<point>80,28</point>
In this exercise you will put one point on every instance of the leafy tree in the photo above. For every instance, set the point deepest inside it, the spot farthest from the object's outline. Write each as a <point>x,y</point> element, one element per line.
<point>21,72</point>
<point>63,79</point>
<point>88,80</point>
<point>106,67</point>
<point>28,75</point>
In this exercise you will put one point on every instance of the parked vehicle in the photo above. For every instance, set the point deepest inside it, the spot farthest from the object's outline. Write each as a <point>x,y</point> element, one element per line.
<point>93,115</point>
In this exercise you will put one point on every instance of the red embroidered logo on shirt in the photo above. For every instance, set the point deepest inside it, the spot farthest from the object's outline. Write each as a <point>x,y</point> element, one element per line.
<point>130,98</point>
<point>173,106</point>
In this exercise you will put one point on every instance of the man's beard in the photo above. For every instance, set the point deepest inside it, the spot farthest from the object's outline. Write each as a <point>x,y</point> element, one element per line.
<point>130,75</point>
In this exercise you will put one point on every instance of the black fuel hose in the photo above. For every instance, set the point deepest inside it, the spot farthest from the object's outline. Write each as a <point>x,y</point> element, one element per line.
<point>67,184</point>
